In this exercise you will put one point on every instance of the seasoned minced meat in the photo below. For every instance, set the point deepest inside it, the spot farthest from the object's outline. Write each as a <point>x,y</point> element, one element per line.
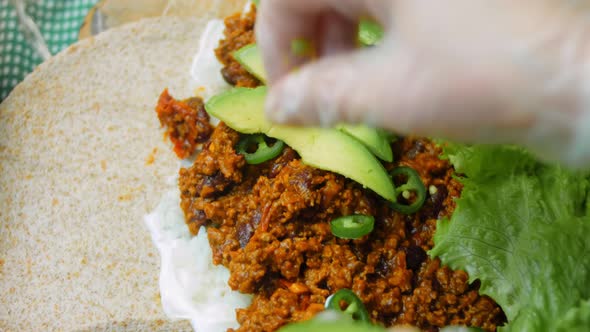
<point>269,225</point>
<point>239,32</point>
<point>187,123</point>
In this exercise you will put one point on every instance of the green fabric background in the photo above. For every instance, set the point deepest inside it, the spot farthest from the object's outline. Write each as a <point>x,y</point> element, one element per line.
<point>59,22</point>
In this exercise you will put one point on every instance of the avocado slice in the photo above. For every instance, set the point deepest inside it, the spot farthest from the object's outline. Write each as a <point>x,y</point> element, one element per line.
<point>332,150</point>
<point>325,148</point>
<point>376,140</point>
<point>242,109</point>
<point>250,58</point>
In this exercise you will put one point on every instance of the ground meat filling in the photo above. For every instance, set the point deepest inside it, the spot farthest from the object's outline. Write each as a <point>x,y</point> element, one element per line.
<point>239,32</point>
<point>187,123</point>
<point>269,225</point>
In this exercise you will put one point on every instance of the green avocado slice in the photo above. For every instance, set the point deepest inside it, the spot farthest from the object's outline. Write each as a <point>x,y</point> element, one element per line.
<point>249,57</point>
<point>242,109</point>
<point>329,149</point>
<point>377,141</point>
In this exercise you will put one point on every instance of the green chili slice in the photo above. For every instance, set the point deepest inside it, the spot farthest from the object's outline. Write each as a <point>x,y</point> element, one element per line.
<point>352,227</point>
<point>263,151</point>
<point>412,188</point>
<point>353,305</point>
<point>370,32</point>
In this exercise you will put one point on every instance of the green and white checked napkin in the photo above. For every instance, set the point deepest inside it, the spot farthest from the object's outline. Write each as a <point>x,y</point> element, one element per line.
<point>58,21</point>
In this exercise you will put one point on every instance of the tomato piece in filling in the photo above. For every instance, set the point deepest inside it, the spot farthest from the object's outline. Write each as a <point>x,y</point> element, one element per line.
<point>187,122</point>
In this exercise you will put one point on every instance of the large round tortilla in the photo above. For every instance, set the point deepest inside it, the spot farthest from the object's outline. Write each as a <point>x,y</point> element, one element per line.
<point>76,142</point>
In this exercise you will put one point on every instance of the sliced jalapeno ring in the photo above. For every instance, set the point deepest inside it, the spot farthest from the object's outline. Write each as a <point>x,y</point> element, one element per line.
<point>370,33</point>
<point>354,305</point>
<point>414,185</point>
<point>352,227</point>
<point>263,151</point>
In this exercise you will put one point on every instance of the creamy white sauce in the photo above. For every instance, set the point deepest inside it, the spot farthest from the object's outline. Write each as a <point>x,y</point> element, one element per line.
<point>247,7</point>
<point>191,287</point>
<point>206,69</point>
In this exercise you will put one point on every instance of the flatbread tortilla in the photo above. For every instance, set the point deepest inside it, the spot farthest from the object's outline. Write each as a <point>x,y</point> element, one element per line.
<point>81,162</point>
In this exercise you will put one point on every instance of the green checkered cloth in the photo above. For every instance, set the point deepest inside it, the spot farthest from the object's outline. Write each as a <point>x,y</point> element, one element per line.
<point>59,22</point>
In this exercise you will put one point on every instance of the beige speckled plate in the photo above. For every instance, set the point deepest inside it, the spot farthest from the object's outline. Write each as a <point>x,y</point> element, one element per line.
<point>82,159</point>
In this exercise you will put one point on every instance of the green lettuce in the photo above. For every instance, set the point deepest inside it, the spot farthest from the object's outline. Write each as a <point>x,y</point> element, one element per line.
<point>575,320</point>
<point>522,228</point>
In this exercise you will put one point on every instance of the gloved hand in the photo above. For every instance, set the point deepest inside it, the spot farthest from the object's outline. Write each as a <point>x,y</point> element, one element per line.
<point>492,71</point>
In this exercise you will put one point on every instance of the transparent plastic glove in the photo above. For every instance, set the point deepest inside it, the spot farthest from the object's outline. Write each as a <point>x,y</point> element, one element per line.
<point>491,71</point>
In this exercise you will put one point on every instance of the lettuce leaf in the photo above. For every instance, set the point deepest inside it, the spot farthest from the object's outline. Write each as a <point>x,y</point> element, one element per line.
<point>576,320</point>
<point>522,228</point>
